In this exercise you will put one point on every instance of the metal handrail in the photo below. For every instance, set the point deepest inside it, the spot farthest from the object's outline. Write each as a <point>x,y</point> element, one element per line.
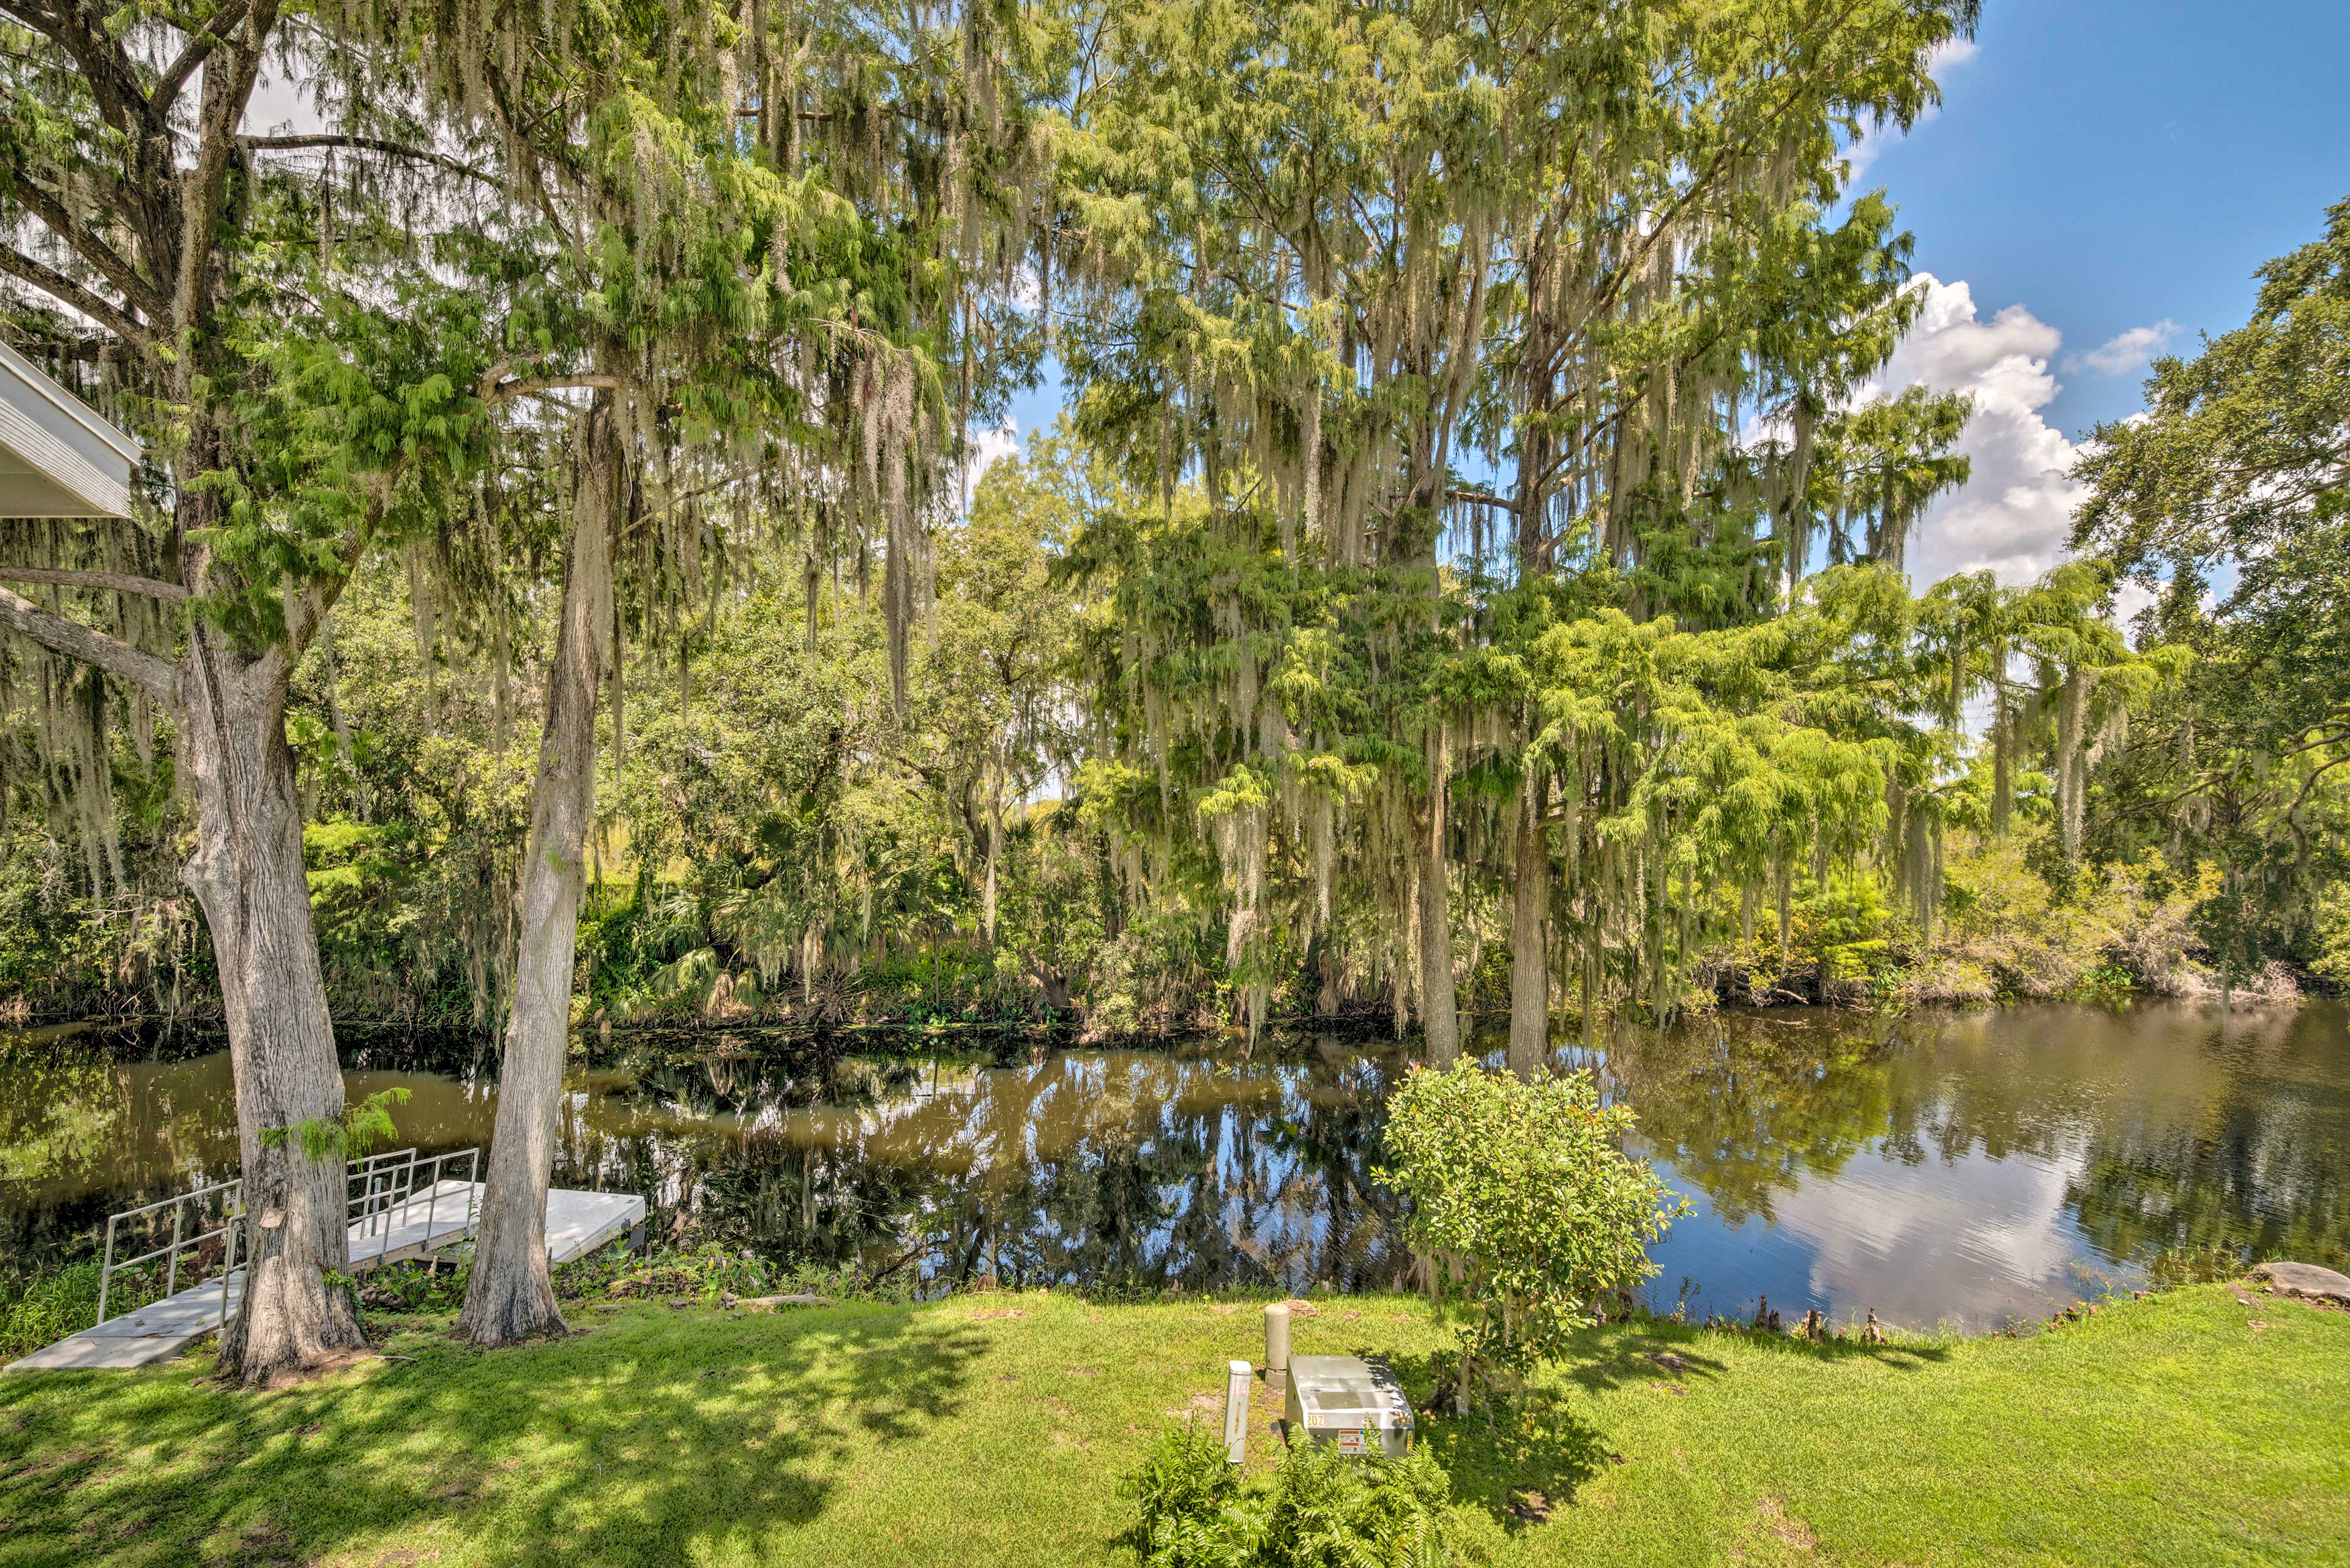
<point>385,1196</point>
<point>180,1241</point>
<point>386,1199</point>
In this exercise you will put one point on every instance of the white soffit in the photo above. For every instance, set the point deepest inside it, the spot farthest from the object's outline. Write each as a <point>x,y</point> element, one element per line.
<point>57,458</point>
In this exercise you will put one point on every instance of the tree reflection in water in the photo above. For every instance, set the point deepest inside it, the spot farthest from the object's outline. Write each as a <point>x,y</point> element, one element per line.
<point>1138,1170</point>
<point>2172,1127</point>
<point>1839,1157</point>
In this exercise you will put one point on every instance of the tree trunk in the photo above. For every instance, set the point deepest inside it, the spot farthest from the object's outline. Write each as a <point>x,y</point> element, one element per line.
<point>510,1296</point>
<point>2003,758</point>
<point>2072,770</point>
<point>1439,1013</point>
<point>247,873</point>
<point>994,846</point>
<point>1530,933</point>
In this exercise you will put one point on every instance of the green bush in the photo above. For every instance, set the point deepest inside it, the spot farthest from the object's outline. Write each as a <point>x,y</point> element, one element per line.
<point>1325,1509</point>
<point>1525,1207</point>
<point>1192,1514</point>
<point>1333,1512</point>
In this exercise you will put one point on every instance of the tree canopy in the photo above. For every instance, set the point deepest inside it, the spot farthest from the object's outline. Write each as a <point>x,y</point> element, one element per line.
<point>1470,575</point>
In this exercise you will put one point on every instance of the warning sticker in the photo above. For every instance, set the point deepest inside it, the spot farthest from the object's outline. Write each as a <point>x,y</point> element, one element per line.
<point>1351,1441</point>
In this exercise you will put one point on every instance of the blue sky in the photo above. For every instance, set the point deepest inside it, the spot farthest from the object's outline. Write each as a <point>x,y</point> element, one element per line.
<point>2100,183</point>
<point>2101,180</point>
<point>2111,166</point>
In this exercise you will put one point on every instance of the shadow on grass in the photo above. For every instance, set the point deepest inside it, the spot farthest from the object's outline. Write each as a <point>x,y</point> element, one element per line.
<point>1538,1445</point>
<point>1649,1350</point>
<point>651,1442</point>
<point>1541,1445</point>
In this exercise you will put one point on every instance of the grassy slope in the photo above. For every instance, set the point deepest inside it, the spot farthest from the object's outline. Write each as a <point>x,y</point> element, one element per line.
<point>2163,1430</point>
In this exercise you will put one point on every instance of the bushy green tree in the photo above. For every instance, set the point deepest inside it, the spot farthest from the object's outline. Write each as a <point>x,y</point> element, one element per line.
<point>264,311</point>
<point>2241,465</point>
<point>1525,1207</point>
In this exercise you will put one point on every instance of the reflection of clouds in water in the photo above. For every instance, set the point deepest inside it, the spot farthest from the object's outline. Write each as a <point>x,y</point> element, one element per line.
<point>1974,1238</point>
<point>1967,1166</point>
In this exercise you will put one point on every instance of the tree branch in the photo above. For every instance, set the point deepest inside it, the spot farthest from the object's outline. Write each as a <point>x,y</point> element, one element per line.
<point>104,63</point>
<point>502,390</point>
<point>365,144</point>
<point>73,296</point>
<point>2311,783</point>
<point>228,90</point>
<point>105,258</point>
<point>119,582</point>
<point>1481,498</point>
<point>70,638</point>
<point>208,37</point>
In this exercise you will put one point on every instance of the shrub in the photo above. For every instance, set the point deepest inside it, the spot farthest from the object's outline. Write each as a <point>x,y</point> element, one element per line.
<point>47,1308</point>
<point>1524,1206</point>
<point>1187,1498</point>
<point>2115,930</point>
<point>1325,1509</point>
<point>1330,1511</point>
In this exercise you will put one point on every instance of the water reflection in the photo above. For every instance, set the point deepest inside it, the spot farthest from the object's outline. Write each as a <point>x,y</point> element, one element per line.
<point>1952,1166</point>
<point>1139,1170</point>
<point>1976,1167</point>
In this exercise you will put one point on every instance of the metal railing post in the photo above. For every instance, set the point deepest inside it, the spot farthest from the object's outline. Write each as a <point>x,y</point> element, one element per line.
<point>106,1272</point>
<point>172,1264</point>
<point>432,1204</point>
<point>407,1202</point>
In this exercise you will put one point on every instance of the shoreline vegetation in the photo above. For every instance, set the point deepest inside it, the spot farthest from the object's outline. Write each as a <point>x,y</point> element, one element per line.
<point>2004,936</point>
<point>682,1421</point>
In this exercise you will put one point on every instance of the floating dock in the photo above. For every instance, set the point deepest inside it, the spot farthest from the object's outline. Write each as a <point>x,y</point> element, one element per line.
<point>424,1222</point>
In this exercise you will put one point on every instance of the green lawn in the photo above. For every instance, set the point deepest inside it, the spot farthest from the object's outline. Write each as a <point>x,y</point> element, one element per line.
<point>992,1429</point>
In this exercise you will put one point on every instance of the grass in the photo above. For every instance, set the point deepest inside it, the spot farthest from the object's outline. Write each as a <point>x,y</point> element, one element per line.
<point>46,1307</point>
<point>992,1429</point>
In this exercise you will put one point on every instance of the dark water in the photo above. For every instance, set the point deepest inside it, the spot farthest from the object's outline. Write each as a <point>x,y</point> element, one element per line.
<point>1941,1167</point>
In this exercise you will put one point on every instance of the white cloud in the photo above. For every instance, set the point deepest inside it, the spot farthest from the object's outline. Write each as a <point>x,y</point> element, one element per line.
<point>2129,598</point>
<point>986,446</point>
<point>2129,350</point>
<point>1876,138</point>
<point>2014,516</point>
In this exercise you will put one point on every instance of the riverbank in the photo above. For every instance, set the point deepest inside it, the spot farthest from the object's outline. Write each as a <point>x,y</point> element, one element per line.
<point>1999,1164</point>
<point>2181,1428</point>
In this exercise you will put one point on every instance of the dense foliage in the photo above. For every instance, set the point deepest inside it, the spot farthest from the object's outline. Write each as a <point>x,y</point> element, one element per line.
<point>1323,1510</point>
<point>2229,500</point>
<point>1469,576</point>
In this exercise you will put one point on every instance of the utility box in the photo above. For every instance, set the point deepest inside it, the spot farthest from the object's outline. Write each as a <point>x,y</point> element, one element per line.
<point>1347,1401</point>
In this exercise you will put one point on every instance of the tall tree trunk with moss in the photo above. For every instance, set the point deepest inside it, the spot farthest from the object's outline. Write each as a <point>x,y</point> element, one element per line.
<point>994,841</point>
<point>1440,1010</point>
<point>2072,764</point>
<point>228,698</point>
<point>510,1296</point>
<point>1530,932</point>
<point>2003,742</point>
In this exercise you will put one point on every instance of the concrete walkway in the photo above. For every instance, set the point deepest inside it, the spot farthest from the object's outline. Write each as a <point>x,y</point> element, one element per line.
<point>577,1224</point>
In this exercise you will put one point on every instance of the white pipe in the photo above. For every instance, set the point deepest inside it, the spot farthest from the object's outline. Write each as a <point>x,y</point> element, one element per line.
<point>1237,1378</point>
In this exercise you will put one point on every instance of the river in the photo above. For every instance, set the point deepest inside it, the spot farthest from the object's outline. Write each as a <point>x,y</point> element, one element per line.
<point>1962,1168</point>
